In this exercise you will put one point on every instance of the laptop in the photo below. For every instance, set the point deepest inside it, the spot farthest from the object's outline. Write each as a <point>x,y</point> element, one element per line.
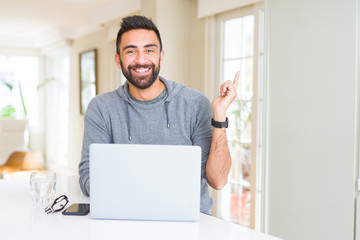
<point>145,182</point>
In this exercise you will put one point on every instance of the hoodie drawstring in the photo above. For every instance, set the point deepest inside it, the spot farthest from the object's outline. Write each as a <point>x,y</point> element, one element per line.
<point>128,120</point>
<point>167,113</point>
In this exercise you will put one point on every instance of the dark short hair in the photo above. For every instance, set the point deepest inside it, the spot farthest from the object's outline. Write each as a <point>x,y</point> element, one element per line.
<point>136,22</point>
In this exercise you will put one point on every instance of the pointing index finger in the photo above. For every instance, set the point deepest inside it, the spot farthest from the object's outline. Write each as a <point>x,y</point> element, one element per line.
<point>236,80</point>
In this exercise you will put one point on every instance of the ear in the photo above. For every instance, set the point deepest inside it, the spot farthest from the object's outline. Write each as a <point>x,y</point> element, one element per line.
<point>161,57</point>
<point>117,60</point>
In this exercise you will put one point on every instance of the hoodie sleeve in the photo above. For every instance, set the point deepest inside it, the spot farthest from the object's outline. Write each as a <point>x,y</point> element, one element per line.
<point>95,131</point>
<point>202,133</point>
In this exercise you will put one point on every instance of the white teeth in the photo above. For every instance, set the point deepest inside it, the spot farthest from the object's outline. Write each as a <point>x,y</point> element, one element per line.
<point>141,70</point>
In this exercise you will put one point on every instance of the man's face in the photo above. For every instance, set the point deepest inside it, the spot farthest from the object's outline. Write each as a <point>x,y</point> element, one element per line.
<point>140,57</point>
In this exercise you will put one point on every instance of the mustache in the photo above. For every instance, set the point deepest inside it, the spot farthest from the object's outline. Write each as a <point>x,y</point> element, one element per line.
<point>141,66</point>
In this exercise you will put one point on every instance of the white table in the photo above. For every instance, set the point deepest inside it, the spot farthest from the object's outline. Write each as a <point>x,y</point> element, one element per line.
<point>21,219</point>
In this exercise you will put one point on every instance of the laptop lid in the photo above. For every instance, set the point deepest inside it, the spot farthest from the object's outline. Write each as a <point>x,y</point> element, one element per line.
<point>145,182</point>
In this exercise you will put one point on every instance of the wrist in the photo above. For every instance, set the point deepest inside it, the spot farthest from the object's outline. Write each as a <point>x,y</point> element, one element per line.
<point>219,117</point>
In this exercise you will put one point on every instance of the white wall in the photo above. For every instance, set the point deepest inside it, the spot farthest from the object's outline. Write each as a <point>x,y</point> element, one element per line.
<point>212,7</point>
<point>312,127</point>
<point>172,19</point>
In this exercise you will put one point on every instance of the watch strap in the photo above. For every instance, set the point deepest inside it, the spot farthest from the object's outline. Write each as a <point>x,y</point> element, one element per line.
<point>220,124</point>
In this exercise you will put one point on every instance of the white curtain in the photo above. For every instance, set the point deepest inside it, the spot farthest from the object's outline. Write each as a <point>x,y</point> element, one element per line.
<point>57,111</point>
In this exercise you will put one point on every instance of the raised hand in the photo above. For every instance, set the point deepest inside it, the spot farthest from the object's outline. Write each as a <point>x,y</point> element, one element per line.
<point>227,95</point>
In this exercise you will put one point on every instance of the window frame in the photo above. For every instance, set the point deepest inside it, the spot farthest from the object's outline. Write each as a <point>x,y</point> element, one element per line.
<point>214,72</point>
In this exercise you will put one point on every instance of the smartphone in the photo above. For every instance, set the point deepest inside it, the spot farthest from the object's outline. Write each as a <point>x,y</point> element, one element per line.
<point>78,209</point>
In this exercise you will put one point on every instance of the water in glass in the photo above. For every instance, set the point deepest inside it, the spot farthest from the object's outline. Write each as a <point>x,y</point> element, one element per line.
<point>42,186</point>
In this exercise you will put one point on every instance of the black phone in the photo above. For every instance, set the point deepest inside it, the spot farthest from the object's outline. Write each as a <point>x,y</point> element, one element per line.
<point>77,209</point>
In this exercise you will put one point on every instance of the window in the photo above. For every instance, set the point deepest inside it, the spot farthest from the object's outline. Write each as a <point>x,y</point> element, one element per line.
<point>239,49</point>
<point>19,77</point>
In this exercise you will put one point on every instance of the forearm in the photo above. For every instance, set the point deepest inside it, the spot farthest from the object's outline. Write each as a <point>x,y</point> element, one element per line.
<point>219,161</point>
<point>84,182</point>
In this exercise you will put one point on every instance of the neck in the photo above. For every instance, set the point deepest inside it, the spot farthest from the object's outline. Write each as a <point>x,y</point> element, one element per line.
<point>149,93</point>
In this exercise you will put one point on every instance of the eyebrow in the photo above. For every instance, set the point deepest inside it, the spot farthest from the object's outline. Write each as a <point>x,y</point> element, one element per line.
<point>151,45</point>
<point>129,46</point>
<point>147,45</point>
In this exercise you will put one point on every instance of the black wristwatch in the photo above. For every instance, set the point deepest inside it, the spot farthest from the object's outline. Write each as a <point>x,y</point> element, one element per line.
<point>220,124</point>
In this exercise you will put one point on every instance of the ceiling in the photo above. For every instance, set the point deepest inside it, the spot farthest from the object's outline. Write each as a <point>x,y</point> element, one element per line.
<point>38,23</point>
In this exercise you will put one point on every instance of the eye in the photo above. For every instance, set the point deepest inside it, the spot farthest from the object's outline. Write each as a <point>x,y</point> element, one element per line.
<point>150,51</point>
<point>130,51</point>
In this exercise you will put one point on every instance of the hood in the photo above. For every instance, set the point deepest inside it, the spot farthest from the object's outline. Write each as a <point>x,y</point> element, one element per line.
<point>172,88</point>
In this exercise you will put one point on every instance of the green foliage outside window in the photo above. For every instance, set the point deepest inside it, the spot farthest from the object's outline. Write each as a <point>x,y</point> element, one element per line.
<point>7,112</point>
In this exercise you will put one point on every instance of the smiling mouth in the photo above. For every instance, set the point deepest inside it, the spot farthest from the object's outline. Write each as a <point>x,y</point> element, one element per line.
<point>141,70</point>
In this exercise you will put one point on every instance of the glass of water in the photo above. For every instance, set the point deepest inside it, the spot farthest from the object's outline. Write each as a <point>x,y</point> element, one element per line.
<point>42,186</point>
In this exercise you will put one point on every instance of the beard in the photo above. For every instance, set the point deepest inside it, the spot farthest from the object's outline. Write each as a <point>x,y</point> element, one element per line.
<point>144,81</point>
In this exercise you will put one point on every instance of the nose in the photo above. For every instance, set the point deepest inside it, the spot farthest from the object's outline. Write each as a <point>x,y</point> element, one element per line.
<point>140,58</point>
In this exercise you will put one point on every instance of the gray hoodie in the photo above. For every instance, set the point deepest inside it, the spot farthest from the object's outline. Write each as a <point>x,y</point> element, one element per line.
<point>183,117</point>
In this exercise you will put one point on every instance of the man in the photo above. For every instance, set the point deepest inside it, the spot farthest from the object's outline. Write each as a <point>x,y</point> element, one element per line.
<point>149,109</point>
